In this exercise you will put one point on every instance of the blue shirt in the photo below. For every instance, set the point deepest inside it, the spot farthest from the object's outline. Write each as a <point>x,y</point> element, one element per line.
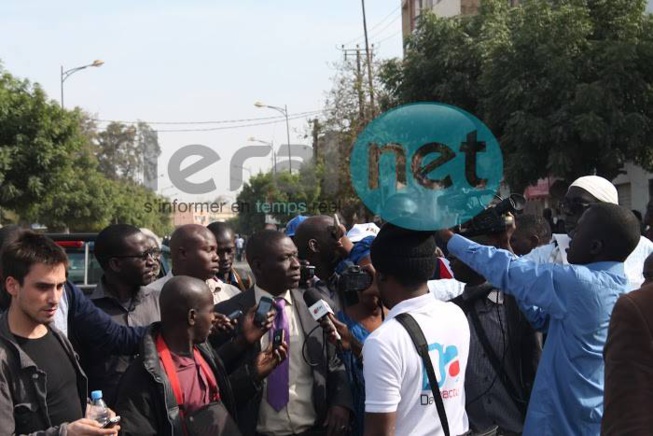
<point>567,397</point>
<point>359,251</point>
<point>355,371</point>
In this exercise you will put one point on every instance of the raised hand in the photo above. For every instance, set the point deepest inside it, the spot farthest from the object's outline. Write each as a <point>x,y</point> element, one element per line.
<point>269,359</point>
<point>251,331</point>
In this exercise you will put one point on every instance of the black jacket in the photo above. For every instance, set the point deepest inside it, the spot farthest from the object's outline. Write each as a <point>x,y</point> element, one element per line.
<point>23,387</point>
<point>330,385</point>
<point>146,402</point>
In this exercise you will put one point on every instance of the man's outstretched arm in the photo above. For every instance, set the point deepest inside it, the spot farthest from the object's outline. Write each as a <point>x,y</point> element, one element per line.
<point>530,283</point>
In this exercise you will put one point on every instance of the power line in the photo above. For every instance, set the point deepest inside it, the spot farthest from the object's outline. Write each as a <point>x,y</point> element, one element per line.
<point>275,118</point>
<point>361,37</point>
<point>388,37</point>
<point>386,17</point>
<point>377,34</point>
<point>212,129</point>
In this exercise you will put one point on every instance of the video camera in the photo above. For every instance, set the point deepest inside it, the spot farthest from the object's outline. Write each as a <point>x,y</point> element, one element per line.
<point>307,273</point>
<point>352,281</point>
<point>492,220</point>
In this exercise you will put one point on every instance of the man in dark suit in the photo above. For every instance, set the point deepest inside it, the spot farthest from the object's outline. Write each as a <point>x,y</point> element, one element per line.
<point>300,397</point>
<point>628,358</point>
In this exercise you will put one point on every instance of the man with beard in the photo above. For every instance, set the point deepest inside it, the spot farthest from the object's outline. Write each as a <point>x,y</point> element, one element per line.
<point>128,261</point>
<point>42,387</point>
<point>228,273</point>
<point>194,253</point>
<point>295,398</point>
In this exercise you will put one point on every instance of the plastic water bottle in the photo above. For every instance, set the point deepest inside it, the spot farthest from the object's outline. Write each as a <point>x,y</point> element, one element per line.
<point>98,410</point>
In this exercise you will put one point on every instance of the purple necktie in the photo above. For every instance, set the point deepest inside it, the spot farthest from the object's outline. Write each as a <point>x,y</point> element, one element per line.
<point>278,386</point>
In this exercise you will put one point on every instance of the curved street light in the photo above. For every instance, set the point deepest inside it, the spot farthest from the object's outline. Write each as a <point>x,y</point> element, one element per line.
<point>67,73</point>
<point>283,110</point>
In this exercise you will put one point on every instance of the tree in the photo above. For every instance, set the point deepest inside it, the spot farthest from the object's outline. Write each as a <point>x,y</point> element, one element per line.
<point>347,110</point>
<point>282,196</point>
<point>134,204</point>
<point>81,202</point>
<point>37,138</point>
<point>118,152</point>
<point>566,86</point>
<point>148,144</point>
<point>258,189</point>
<point>50,173</point>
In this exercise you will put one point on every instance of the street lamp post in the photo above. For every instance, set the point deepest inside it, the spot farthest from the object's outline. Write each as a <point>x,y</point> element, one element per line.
<point>271,145</point>
<point>67,73</point>
<point>284,111</point>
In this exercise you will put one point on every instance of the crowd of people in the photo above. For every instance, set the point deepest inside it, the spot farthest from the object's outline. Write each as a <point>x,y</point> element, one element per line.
<point>366,330</point>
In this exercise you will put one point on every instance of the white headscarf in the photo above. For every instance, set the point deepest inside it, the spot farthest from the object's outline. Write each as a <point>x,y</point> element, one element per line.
<point>600,188</point>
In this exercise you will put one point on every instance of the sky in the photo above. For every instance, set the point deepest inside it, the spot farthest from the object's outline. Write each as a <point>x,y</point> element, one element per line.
<point>192,61</point>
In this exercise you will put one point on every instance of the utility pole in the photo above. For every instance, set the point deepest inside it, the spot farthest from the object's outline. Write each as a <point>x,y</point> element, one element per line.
<point>369,63</point>
<point>359,79</point>
<point>316,139</point>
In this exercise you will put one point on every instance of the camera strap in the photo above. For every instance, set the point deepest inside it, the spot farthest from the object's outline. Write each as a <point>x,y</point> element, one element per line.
<point>171,371</point>
<point>468,307</point>
<point>417,336</point>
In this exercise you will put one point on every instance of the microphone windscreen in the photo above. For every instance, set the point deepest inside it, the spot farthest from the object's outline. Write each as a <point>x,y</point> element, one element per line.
<point>311,296</point>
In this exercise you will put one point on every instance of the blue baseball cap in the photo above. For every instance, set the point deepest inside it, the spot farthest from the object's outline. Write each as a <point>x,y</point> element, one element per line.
<point>292,225</point>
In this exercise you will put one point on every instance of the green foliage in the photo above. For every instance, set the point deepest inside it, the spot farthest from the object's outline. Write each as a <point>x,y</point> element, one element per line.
<point>117,152</point>
<point>50,168</point>
<point>134,204</point>
<point>282,196</point>
<point>566,86</point>
<point>36,138</point>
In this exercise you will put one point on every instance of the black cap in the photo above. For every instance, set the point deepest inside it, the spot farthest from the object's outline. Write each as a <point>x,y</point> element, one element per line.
<point>404,253</point>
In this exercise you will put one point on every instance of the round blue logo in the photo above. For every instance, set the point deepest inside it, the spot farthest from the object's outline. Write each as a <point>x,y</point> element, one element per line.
<point>426,166</point>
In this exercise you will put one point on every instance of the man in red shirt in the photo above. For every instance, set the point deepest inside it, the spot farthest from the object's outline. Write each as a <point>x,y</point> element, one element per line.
<point>178,373</point>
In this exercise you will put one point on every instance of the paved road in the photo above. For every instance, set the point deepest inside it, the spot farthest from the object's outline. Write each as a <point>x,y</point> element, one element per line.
<point>243,265</point>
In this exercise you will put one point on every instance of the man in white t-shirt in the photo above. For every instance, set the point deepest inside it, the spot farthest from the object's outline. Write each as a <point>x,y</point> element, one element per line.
<point>399,399</point>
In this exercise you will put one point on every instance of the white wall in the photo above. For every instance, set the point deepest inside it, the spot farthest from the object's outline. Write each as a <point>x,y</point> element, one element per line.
<point>638,191</point>
<point>446,8</point>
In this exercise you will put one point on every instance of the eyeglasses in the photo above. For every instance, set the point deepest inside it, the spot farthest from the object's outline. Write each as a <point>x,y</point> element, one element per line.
<point>154,253</point>
<point>573,207</point>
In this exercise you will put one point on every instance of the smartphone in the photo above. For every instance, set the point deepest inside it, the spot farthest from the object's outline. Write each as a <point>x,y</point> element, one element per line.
<point>111,422</point>
<point>265,305</point>
<point>235,314</point>
<point>277,338</point>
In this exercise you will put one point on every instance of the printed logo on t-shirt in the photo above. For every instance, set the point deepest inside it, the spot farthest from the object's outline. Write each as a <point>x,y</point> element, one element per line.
<point>447,363</point>
<point>448,366</point>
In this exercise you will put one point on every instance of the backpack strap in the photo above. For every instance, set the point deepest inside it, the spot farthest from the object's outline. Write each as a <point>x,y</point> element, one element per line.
<point>417,336</point>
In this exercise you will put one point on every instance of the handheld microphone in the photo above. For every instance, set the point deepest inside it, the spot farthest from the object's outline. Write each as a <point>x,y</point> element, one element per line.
<point>320,310</point>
